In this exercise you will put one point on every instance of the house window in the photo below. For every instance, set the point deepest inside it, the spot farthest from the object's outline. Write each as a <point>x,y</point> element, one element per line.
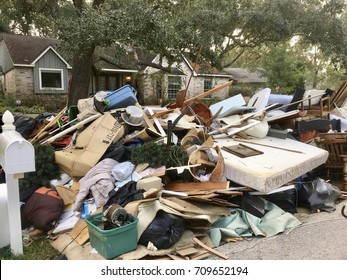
<point>207,86</point>
<point>51,79</point>
<point>101,83</point>
<point>158,88</point>
<point>174,85</point>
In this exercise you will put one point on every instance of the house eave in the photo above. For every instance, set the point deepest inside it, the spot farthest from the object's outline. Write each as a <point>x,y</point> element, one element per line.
<point>24,65</point>
<point>51,48</point>
<point>215,75</point>
<point>119,70</point>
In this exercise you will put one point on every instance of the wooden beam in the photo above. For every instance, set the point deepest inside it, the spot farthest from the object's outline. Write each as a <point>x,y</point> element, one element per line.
<point>215,252</point>
<point>202,95</point>
<point>270,146</point>
<point>195,186</point>
<point>47,126</point>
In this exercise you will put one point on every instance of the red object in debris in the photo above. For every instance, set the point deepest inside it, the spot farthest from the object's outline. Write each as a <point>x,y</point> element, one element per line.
<point>63,143</point>
<point>307,135</point>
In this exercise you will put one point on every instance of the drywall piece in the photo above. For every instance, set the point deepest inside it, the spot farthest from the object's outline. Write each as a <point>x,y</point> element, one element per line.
<point>227,104</point>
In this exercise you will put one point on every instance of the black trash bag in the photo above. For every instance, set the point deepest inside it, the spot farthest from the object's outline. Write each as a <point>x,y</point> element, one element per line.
<point>124,195</point>
<point>317,194</point>
<point>118,152</point>
<point>252,204</point>
<point>164,231</point>
<point>287,200</point>
<point>24,125</point>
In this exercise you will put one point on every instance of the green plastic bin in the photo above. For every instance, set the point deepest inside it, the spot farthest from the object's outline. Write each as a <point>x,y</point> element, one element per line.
<point>114,242</point>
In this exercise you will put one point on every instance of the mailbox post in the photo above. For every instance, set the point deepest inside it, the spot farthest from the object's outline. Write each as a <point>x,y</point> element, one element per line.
<point>17,156</point>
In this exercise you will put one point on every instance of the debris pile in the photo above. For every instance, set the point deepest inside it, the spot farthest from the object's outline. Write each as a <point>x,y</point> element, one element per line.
<point>191,175</point>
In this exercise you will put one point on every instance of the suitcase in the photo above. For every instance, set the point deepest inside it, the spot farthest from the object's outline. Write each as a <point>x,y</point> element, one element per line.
<point>120,98</point>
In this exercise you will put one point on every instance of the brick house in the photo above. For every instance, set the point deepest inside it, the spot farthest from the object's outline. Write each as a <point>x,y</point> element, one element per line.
<point>157,85</point>
<point>32,66</point>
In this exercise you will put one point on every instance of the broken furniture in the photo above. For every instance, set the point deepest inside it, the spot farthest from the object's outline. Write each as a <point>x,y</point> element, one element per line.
<point>308,129</point>
<point>330,100</point>
<point>336,145</point>
<point>344,159</point>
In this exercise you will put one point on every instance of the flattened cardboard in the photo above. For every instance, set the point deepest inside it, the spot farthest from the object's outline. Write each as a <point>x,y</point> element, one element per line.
<point>80,232</point>
<point>90,146</point>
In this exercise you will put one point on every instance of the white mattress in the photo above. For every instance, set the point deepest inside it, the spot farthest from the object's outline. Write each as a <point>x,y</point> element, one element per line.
<point>275,167</point>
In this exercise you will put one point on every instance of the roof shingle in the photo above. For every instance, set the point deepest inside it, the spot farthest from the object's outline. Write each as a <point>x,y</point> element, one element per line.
<point>32,46</point>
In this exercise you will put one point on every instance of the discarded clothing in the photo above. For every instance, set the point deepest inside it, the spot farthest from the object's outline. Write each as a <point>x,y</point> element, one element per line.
<point>99,180</point>
<point>243,224</point>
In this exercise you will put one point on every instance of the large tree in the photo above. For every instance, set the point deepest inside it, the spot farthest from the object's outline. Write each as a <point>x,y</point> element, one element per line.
<point>223,29</point>
<point>29,17</point>
<point>283,67</point>
<point>170,28</point>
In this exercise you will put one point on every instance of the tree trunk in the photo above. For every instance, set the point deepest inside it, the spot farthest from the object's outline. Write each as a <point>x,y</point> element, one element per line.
<point>81,72</point>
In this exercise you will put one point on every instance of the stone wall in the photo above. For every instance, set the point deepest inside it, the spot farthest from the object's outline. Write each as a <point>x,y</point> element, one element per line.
<point>10,82</point>
<point>24,81</point>
<point>19,85</point>
<point>150,95</point>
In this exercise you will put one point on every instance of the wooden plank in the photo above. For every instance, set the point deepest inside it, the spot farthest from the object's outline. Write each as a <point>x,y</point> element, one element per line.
<point>49,125</point>
<point>270,146</point>
<point>146,119</point>
<point>174,257</point>
<point>157,123</point>
<point>162,113</point>
<point>203,254</point>
<point>202,95</point>
<point>187,251</point>
<point>200,257</point>
<point>78,125</point>
<point>191,186</point>
<point>83,237</point>
<point>72,128</point>
<point>209,249</point>
<point>161,258</point>
<point>337,94</point>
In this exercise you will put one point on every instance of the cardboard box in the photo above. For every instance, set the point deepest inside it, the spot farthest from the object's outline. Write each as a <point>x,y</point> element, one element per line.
<point>91,144</point>
<point>150,182</point>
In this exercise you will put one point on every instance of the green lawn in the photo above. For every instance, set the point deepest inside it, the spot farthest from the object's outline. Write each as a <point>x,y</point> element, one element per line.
<point>39,249</point>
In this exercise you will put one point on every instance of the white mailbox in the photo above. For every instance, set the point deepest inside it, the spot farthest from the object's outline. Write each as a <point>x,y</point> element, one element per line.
<point>16,154</point>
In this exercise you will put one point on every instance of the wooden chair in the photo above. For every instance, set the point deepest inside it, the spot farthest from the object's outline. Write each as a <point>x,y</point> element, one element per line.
<point>336,145</point>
